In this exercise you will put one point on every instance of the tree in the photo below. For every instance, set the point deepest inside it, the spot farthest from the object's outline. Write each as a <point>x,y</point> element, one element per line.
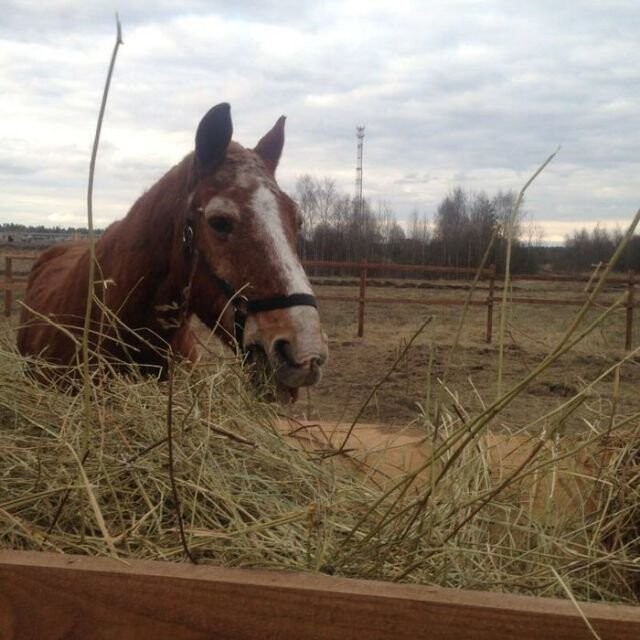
<point>503,203</point>
<point>452,225</point>
<point>306,197</point>
<point>326,197</point>
<point>420,237</point>
<point>482,222</point>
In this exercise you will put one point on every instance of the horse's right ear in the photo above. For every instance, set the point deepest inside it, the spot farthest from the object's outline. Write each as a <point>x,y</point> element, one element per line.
<point>213,137</point>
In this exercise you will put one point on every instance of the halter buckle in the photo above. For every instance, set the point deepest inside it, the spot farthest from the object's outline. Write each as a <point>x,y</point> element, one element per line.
<point>241,304</point>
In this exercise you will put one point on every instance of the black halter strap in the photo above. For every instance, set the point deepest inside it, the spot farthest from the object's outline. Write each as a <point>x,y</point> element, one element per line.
<point>243,307</point>
<point>282,302</point>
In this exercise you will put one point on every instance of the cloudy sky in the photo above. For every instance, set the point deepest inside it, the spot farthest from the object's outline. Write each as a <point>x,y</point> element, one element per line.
<point>454,92</point>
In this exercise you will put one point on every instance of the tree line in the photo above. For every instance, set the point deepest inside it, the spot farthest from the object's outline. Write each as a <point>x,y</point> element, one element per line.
<point>584,249</point>
<point>13,227</point>
<point>338,227</point>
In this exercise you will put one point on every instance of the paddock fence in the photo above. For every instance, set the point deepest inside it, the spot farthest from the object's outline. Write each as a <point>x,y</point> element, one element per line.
<point>493,296</point>
<point>46,595</point>
<point>15,283</point>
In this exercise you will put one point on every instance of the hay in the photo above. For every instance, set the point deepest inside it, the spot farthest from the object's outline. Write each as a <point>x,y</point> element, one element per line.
<point>554,516</point>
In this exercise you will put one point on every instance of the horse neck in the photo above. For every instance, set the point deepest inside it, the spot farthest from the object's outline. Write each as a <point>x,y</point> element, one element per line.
<point>142,253</point>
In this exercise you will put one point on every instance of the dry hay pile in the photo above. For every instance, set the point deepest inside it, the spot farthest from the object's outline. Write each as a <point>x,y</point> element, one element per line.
<point>457,515</point>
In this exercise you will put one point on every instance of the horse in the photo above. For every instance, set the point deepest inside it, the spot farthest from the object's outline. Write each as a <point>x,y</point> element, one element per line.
<point>214,238</point>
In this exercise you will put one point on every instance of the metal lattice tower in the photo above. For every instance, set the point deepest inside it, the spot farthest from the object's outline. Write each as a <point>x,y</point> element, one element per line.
<point>360,137</point>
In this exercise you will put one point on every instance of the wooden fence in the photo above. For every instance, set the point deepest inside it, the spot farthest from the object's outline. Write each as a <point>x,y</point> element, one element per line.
<point>493,296</point>
<point>45,595</point>
<point>14,284</point>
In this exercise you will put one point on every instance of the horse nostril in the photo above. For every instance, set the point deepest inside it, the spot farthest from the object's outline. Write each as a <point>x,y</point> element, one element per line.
<point>285,352</point>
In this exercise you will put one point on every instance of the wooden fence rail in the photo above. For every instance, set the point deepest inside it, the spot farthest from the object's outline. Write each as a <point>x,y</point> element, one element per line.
<point>44,595</point>
<point>364,268</point>
<point>12,284</point>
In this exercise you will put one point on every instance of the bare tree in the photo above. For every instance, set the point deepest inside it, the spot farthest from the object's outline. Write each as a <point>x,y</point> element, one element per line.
<point>452,226</point>
<point>307,200</point>
<point>482,220</point>
<point>326,196</point>
<point>504,202</point>
<point>420,234</point>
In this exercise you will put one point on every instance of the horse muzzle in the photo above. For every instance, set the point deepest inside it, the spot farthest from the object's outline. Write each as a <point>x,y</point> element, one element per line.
<point>295,369</point>
<point>293,342</point>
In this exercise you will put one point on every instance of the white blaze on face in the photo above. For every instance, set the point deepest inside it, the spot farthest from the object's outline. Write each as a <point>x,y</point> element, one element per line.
<point>267,216</point>
<point>298,326</point>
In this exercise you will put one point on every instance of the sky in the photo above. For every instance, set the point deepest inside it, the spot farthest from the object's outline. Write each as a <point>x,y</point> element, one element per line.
<point>452,93</point>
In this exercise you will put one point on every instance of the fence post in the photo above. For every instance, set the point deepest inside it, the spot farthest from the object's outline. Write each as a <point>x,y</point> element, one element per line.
<point>629,328</point>
<point>8,279</point>
<point>492,283</point>
<point>363,285</point>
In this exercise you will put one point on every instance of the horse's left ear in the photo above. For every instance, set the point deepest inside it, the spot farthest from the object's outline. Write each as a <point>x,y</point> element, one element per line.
<point>213,137</point>
<point>270,146</point>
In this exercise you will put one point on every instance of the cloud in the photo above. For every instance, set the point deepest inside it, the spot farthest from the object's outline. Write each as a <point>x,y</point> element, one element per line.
<point>468,93</point>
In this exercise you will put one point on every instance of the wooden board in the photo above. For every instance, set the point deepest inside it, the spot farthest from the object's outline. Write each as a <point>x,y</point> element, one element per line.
<point>48,596</point>
<point>14,285</point>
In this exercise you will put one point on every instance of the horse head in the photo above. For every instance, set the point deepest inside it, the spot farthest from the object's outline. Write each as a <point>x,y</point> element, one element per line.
<point>239,238</point>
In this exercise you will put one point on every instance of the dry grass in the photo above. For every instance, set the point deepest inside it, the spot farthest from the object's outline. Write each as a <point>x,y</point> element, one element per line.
<point>250,497</point>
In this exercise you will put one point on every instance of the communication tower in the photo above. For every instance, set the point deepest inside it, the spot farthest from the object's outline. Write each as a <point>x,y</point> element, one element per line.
<point>360,138</point>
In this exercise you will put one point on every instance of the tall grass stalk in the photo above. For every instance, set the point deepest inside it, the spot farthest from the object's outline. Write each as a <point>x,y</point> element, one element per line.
<point>86,373</point>
<point>87,388</point>
<point>507,267</point>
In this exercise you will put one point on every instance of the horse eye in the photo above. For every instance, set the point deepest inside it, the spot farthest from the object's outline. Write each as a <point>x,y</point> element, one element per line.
<point>221,225</point>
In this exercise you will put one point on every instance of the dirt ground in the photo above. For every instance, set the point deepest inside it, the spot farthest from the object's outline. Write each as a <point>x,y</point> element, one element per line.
<point>468,383</point>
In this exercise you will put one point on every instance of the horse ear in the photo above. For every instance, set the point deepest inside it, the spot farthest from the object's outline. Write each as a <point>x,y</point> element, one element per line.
<point>213,137</point>
<point>270,146</point>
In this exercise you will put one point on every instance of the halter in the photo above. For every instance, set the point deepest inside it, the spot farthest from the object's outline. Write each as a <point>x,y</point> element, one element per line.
<point>243,307</point>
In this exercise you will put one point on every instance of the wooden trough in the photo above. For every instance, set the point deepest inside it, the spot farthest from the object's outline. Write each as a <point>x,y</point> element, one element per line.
<point>47,596</point>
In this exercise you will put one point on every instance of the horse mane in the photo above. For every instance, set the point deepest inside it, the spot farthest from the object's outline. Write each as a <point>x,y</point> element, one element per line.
<point>163,198</point>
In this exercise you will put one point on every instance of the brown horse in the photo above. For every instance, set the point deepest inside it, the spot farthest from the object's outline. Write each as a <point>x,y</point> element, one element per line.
<point>214,237</point>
